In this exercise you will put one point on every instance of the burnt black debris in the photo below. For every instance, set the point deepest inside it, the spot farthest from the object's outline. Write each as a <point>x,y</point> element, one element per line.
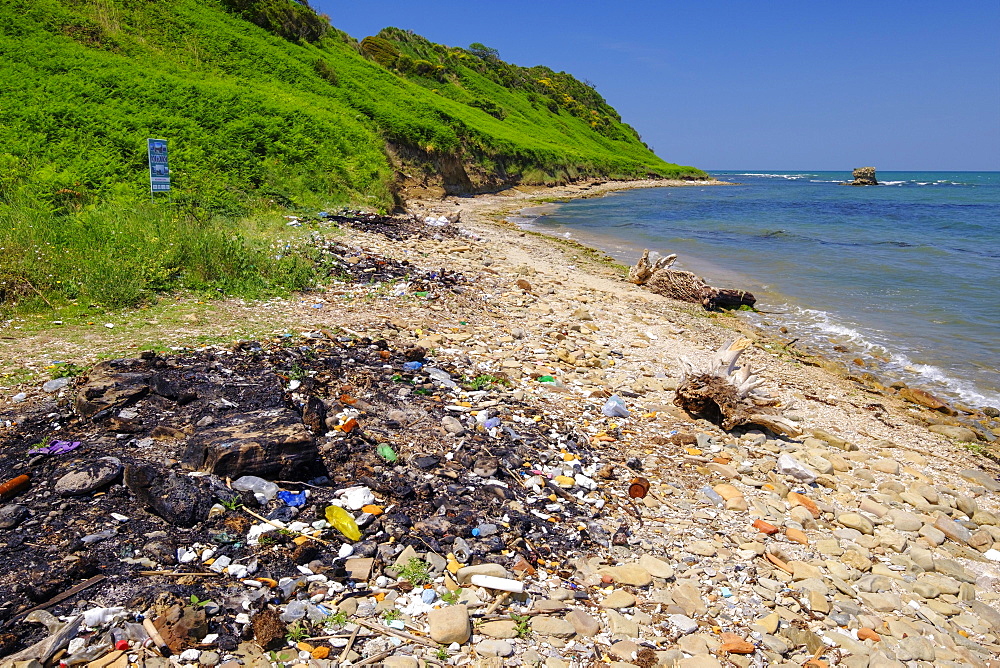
<point>322,412</point>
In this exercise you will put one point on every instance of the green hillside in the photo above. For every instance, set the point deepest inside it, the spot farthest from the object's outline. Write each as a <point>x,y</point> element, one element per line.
<point>266,107</point>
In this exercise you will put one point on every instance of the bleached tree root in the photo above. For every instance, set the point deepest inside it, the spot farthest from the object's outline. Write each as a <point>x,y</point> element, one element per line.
<point>727,395</point>
<point>684,285</point>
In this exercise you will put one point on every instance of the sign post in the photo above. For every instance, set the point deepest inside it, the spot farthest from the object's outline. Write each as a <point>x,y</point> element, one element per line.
<point>159,172</point>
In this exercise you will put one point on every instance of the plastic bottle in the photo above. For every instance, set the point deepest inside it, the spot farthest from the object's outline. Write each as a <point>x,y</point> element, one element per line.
<point>484,530</point>
<point>343,522</point>
<point>293,611</point>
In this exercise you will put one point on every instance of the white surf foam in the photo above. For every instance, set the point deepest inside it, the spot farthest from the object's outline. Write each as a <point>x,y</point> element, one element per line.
<point>821,329</point>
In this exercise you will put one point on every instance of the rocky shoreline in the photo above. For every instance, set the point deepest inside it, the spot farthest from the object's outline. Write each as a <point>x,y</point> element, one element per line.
<point>446,416</point>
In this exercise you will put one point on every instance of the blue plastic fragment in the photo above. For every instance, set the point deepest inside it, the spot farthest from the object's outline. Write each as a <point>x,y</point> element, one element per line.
<point>294,499</point>
<point>412,366</point>
<point>492,423</point>
<point>726,593</point>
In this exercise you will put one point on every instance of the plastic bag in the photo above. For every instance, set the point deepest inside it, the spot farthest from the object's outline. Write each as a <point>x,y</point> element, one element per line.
<point>294,499</point>
<point>343,522</point>
<point>615,407</point>
<point>386,452</point>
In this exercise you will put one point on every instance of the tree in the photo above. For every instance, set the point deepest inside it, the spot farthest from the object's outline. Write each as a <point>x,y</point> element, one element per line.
<point>483,51</point>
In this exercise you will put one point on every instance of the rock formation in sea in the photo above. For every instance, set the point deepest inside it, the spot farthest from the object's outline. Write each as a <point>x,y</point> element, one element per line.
<point>864,176</point>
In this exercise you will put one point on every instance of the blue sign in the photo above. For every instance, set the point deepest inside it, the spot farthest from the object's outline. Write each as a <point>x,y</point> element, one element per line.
<point>159,172</point>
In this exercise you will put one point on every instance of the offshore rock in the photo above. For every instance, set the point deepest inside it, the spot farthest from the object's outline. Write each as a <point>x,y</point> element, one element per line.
<point>864,176</point>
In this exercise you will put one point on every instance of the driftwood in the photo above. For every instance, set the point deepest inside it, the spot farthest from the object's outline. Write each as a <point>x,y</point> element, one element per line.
<point>684,285</point>
<point>726,394</point>
<point>644,269</point>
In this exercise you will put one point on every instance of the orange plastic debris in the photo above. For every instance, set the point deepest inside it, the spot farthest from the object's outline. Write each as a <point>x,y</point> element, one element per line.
<point>14,486</point>
<point>349,426</point>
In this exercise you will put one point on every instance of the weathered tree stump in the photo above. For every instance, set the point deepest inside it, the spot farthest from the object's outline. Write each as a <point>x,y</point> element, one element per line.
<point>726,394</point>
<point>684,285</point>
<point>644,269</point>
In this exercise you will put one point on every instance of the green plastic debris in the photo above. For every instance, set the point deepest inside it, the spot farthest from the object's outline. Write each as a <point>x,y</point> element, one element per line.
<point>546,379</point>
<point>386,452</point>
<point>343,522</point>
<point>423,293</point>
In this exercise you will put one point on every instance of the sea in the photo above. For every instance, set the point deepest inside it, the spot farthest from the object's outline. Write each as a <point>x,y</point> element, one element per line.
<point>903,276</point>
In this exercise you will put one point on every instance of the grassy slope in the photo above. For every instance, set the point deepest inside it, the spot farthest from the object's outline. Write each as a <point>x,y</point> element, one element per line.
<point>255,122</point>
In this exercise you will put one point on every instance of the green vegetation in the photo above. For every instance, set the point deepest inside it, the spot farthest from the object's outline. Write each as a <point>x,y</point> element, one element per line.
<point>485,381</point>
<point>451,597</point>
<point>416,571</point>
<point>522,625</point>
<point>66,370</point>
<point>232,504</point>
<point>336,619</point>
<point>268,110</point>
<point>297,632</point>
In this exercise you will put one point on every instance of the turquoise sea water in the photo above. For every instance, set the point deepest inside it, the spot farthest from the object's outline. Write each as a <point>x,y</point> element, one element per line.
<point>905,275</point>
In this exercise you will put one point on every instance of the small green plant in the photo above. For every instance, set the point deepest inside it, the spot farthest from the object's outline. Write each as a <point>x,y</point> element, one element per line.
<point>441,654</point>
<point>486,381</point>
<point>521,625</point>
<point>231,504</point>
<point>267,539</point>
<point>416,571</point>
<point>296,373</point>
<point>391,615</point>
<point>338,618</point>
<point>66,370</point>
<point>297,632</point>
<point>42,443</point>
<point>199,602</point>
<point>421,391</point>
<point>451,597</point>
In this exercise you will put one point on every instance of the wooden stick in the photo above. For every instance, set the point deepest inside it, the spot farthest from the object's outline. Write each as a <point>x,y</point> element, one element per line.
<point>342,635</point>
<point>378,657</point>
<point>500,600</point>
<point>178,573</point>
<point>278,526</point>
<point>385,630</point>
<point>347,647</point>
<point>60,597</point>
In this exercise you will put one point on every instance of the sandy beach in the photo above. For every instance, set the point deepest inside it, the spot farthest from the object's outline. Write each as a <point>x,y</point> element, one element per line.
<point>869,540</point>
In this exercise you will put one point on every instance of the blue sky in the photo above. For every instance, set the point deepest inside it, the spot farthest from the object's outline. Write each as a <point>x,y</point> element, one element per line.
<point>762,85</point>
